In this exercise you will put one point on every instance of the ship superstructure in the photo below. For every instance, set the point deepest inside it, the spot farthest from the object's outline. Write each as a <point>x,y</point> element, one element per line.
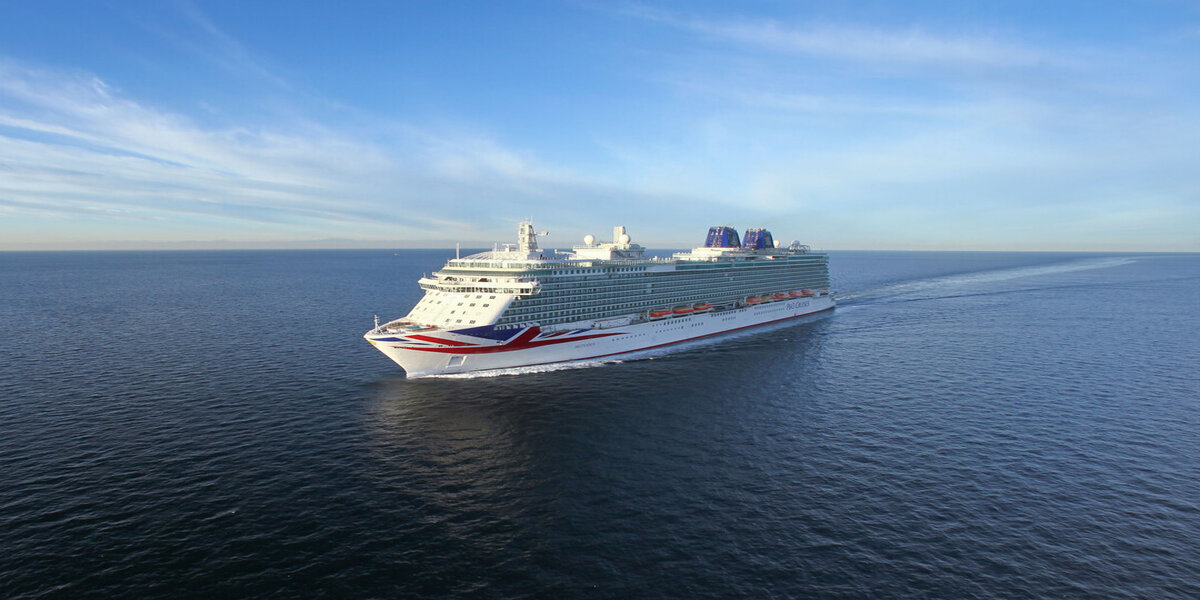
<point>515,306</point>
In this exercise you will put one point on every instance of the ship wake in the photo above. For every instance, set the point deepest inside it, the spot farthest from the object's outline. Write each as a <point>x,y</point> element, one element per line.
<point>969,284</point>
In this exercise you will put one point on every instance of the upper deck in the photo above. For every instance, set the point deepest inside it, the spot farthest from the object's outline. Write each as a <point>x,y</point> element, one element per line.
<point>520,284</point>
<point>524,262</point>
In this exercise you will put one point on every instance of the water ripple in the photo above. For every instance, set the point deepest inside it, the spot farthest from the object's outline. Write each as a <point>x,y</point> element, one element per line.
<point>989,426</point>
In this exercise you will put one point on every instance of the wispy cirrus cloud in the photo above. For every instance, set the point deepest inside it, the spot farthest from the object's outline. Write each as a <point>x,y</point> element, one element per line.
<point>804,124</point>
<point>73,145</point>
<point>185,28</point>
<point>74,148</point>
<point>855,42</point>
<point>903,134</point>
<point>81,121</point>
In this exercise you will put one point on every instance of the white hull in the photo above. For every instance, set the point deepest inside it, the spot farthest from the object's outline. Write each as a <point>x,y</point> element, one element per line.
<point>449,351</point>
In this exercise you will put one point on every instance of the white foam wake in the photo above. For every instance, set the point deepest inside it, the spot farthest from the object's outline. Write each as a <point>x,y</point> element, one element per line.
<point>939,286</point>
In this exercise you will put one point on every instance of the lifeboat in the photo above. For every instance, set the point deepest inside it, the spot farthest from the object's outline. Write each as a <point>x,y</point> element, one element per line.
<point>779,296</point>
<point>682,310</point>
<point>702,307</point>
<point>806,292</point>
<point>659,314</point>
<point>753,300</point>
<point>794,294</point>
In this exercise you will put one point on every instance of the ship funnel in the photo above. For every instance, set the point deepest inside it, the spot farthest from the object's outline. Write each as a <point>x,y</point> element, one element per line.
<point>758,239</point>
<point>722,237</point>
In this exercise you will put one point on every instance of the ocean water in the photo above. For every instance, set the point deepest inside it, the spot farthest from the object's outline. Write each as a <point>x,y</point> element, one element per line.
<point>964,425</point>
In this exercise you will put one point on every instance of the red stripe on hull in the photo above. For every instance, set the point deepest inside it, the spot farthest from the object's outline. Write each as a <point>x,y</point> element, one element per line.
<point>425,338</point>
<point>530,334</point>
<point>523,341</point>
<point>553,362</point>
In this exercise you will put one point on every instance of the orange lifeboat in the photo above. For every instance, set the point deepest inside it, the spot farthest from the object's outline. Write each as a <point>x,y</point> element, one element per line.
<point>794,294</point>
<point>806,292</point>
<point>753,300</point>
<point>779,296</point>
<point>702,307</point>
<point>659,314</point>
<point>682,310</point>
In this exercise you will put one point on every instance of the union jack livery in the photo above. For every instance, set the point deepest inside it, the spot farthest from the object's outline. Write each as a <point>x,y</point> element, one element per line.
<point>513,306</point>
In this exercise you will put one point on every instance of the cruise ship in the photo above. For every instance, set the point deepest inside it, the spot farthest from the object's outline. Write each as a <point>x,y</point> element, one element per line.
<point>516,306</point>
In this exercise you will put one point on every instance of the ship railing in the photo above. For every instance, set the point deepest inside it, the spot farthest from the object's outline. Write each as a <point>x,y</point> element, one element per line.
<point>518,287</point>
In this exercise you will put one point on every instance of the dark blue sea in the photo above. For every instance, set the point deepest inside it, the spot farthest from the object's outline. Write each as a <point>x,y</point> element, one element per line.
<point>963,425</point>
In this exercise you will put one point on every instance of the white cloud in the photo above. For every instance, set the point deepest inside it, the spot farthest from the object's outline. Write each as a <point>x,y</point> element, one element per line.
<point>734,133</point>
<point>72,139</point>
<point>75,148</point>
<point>858,43</point>
<point>72,144</point>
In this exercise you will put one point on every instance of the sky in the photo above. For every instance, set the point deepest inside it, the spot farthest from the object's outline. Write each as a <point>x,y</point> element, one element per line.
<point>844,125</point>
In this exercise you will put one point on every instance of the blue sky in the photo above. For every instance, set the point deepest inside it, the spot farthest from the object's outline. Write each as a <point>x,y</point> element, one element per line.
<point>871,125</point>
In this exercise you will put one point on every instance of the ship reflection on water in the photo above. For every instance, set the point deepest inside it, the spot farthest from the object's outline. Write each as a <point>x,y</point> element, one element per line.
<point>536,433</point>
<point>959,420</point>
<point>558,474</point>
